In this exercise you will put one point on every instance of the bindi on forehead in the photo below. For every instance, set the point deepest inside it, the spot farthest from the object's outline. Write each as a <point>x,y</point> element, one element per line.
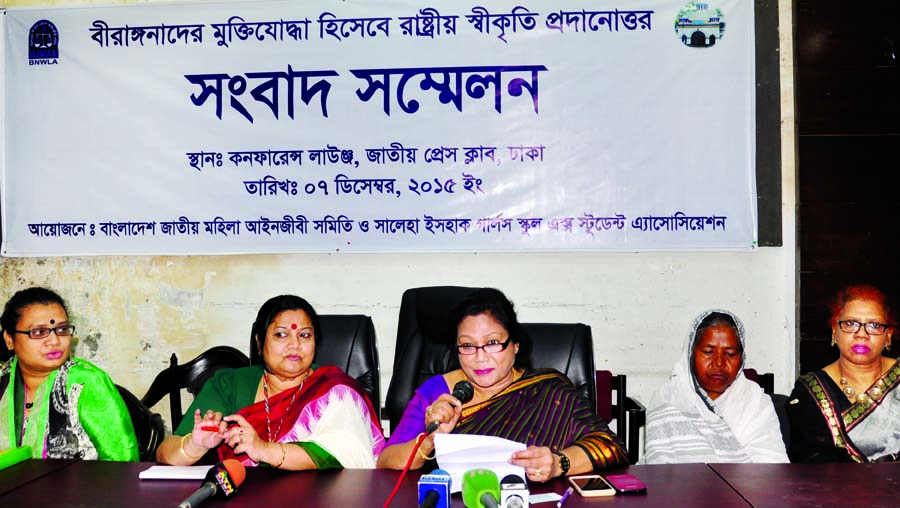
<point>293,326</point>
<point>52,321</point>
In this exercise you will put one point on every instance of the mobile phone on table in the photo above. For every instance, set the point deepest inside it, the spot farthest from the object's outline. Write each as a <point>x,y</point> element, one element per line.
<point>592,485</point>
<point>626,484</point>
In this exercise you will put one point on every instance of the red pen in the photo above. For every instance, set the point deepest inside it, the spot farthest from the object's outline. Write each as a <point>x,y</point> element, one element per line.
<point>210,428</point>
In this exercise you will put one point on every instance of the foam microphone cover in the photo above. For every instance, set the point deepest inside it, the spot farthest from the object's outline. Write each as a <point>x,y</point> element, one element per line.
<point>228,475</point>
<point>434,489</point>
<point>480,489</point>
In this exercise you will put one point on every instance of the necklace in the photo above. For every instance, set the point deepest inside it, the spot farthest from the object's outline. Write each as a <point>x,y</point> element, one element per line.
<point>848,390</point>
<point>290,404</point>
<point>874,392</point>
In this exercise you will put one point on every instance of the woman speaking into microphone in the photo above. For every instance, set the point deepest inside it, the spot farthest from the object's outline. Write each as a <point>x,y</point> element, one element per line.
<point>537,407</point>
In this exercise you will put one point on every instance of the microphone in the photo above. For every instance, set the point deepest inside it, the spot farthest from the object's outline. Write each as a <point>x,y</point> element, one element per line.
<point>463,391</point>
<point>481,489</point>
<point>222,480</point>
<point>434,489</point>
<point>513,492</point>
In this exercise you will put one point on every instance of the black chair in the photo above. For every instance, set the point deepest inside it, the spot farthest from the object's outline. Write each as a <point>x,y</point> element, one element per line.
<point>348,342</point>
<point>629,414</point>
<point>765,381</point>
<point>191,376</point>
<point>148,426</point>
<point>425,347</point>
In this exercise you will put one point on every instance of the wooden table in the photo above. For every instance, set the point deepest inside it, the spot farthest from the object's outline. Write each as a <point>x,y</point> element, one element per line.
<point>99,484</point>
<point>28,471</point>
<point>814,485</point>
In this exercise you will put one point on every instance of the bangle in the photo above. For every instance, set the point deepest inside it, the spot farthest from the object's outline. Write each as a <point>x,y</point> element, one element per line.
<point>419,440</point>
<point>283,455</point>
<point>184,450</point>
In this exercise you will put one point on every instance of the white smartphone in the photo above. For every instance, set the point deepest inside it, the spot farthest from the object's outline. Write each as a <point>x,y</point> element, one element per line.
<point>592,486</point>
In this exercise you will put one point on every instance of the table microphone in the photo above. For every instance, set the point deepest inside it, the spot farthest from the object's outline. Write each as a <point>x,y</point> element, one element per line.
<point>434,489</point>
<point>222,480</point>
<point>481,489</point>
<point>513,492</point>
<point>463,392</point>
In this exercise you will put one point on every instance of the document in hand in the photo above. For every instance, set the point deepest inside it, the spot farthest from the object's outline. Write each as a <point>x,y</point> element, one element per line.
<point>458,453</point>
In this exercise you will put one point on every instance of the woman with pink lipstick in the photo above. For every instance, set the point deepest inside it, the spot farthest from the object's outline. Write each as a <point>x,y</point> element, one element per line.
<point>60,406</point>
<point>537,407</point>
<point>850,411</point>
<point>287,413</point>
<point>708,411</point>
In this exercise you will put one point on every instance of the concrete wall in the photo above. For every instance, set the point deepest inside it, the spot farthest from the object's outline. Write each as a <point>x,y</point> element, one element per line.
<point>133,312</point>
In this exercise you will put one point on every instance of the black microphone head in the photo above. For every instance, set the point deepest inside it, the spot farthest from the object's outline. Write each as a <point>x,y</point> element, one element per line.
<point>463,391</point>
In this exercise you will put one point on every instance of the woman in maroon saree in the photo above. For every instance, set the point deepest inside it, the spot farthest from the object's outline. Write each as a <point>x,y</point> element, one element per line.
<point>539,408</point>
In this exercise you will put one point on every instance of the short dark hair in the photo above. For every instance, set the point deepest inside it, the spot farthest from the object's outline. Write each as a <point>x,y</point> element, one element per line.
<point>494,303</point>
<point>861,292</point>
<point>12,311</point>
<point>269,310</point>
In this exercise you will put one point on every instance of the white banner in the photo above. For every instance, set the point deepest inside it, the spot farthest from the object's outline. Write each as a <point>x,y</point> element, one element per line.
<point>379,126</point>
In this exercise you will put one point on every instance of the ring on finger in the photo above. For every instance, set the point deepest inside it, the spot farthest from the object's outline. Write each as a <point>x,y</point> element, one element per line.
<point>537,471</point>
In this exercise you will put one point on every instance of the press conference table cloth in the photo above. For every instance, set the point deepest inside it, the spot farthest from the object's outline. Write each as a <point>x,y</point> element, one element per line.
<point>100,484</point>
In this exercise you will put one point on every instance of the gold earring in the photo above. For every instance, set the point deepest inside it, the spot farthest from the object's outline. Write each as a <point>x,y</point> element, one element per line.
<point>888,347</point>
<point>832,340</point>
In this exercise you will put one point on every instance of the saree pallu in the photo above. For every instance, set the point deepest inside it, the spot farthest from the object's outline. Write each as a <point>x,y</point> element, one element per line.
<point>827,427</point>
<point>330,418</point>
<point>77,413</point>
<point>542,408</point>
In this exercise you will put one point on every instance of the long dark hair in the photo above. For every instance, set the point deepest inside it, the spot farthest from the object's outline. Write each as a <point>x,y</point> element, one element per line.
<point>273,307</point>
<point>494,303</point>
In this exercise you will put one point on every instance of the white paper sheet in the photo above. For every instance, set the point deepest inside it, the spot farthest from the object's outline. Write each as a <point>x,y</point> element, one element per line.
<point>458,453</point>
<point>174,473</point>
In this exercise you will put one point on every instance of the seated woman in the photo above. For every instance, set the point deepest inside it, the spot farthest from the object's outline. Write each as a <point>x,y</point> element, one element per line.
<point>562,434</point>
<point>288,413</point>
<point>62,407</point>
<point>708,411</point>
<point>850,411</point>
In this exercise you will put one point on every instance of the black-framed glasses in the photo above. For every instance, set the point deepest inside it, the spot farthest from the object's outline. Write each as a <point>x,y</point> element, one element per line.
<point>43,333</point>
<point>492,348</point>
<point>872,328</point>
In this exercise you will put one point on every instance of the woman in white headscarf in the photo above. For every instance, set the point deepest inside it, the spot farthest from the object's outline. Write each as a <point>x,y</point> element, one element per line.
<point>708,411</point>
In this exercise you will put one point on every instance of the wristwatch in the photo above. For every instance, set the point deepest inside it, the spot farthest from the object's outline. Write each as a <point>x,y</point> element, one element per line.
<point>564,462</point>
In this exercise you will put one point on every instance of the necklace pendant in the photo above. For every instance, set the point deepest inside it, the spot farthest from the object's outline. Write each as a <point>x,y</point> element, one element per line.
<point>848,390</point>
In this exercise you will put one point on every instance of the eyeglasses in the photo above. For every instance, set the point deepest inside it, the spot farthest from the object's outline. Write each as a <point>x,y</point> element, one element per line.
<point>872,328</point>
<point>43,333</point>
<point>492,348</point>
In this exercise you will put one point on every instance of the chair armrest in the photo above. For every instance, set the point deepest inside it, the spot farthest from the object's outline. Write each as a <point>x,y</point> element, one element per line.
<point>637,418</point>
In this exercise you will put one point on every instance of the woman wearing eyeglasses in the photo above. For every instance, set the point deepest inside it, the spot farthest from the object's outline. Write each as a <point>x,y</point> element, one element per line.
<point>62,407</point>
<point>850,411</point>
<point>539,408</point>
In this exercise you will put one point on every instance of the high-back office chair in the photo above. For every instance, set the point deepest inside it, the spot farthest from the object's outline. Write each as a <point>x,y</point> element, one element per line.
<point>149,428</point>
<point>348,342</point>
<point>425,347</point>
<point>191,376</point>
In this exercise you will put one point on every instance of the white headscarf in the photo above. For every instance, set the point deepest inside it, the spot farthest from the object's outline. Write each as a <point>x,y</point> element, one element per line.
<point>685,425</point>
